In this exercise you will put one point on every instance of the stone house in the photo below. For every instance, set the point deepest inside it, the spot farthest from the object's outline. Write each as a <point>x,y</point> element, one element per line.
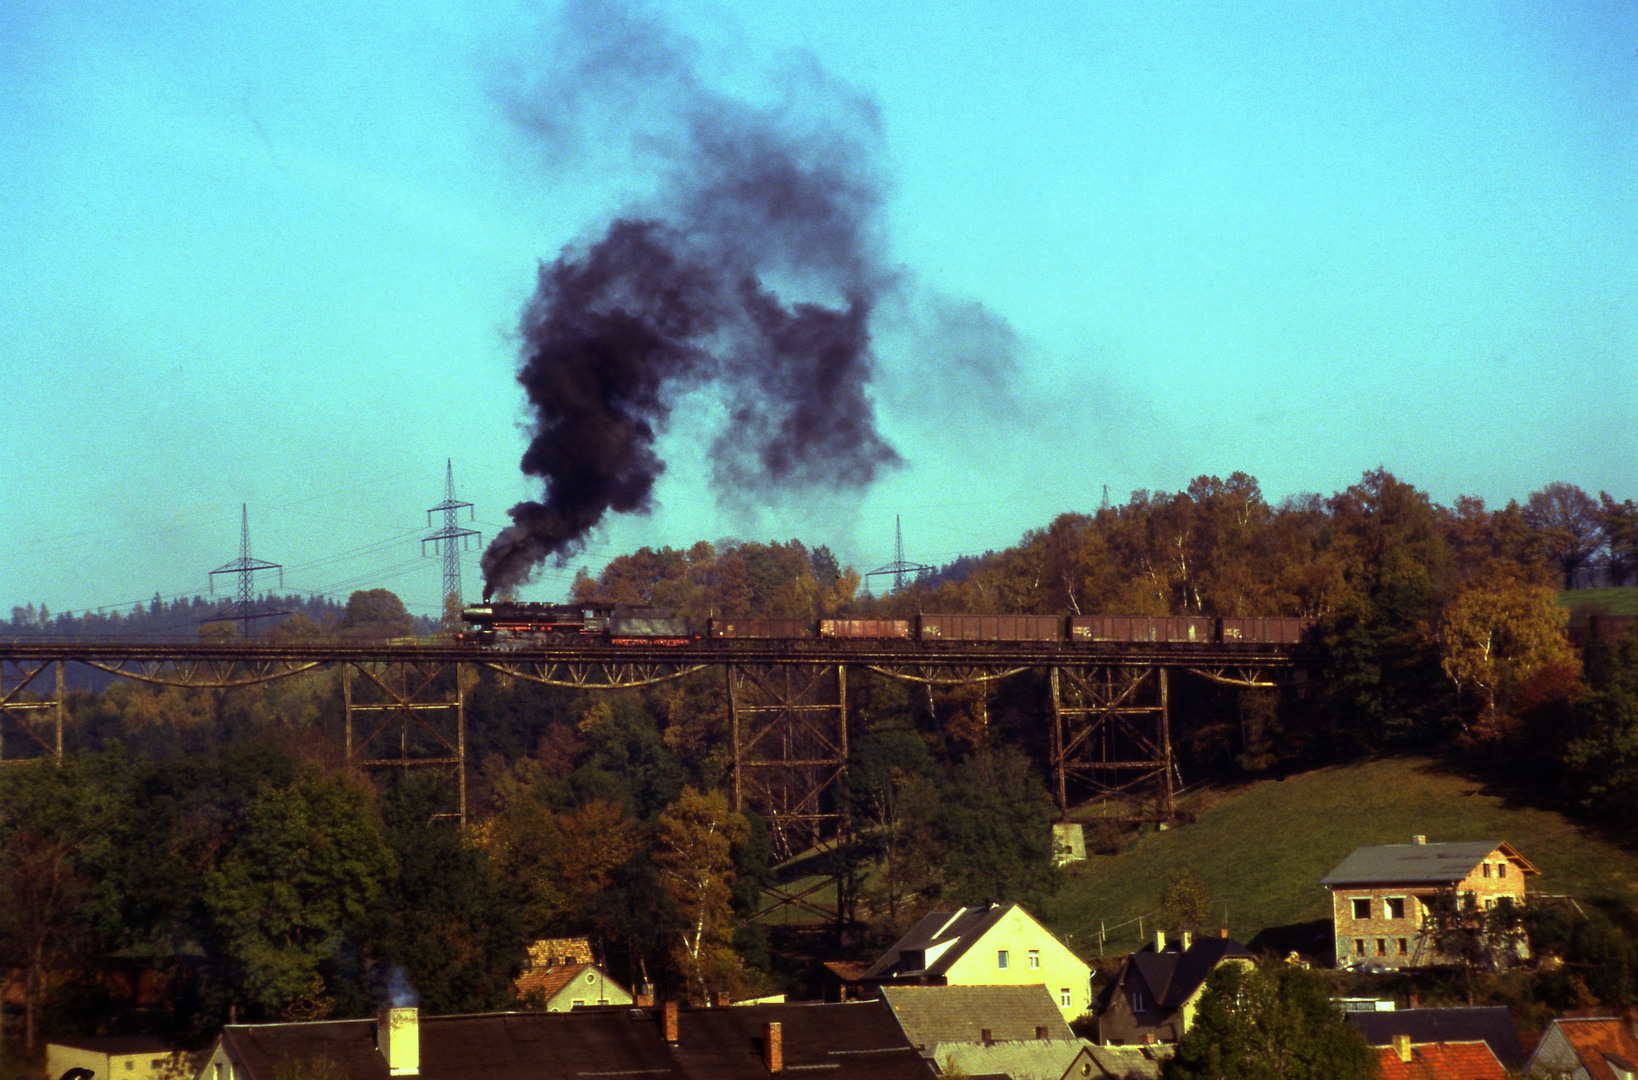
<point>1381,896</point>
<point>991,945</point>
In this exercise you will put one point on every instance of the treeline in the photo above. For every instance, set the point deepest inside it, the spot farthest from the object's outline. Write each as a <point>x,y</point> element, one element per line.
<point>215,837</point>
<point>190,617</point>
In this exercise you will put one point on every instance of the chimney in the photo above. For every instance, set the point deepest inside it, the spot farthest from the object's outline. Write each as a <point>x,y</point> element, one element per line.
<point>671,1021</point>
<point>720,999</point>
<point>984,1036</point>
<point>1418,840</point>
<point>644,1001</point>
<point>1040,1031</point>
<point>398,1037</point>
<point>1402,1047</point>
<point>1160,941</point>
<point>1222,932</point>
<point>773,1046</point>
<point>1186,937</point>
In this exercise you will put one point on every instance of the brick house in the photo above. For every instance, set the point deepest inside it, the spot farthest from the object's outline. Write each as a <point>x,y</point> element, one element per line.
<point>1381,896</point>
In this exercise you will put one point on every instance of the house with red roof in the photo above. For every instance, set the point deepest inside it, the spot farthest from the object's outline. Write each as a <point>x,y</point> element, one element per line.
<point>1438,1061</point>
<point>1586,1048</point>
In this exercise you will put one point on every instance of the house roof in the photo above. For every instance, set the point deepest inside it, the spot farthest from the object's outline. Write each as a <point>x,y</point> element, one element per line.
<point>548,981</point>
<point>1035,1059</point>
<point>1442,1061</point>
<point>1408,864</point>
<point>1174,976</point>
<point>859,1039</point>
<point>1599,1040</point>
<point>948,934</point>
<point>1492,1025</point>
<point>116,1045</point>
<point>961,1014</point>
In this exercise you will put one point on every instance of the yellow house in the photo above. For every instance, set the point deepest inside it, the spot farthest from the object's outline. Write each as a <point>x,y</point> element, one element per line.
<point>116,1058</point>
<point>993,945</point>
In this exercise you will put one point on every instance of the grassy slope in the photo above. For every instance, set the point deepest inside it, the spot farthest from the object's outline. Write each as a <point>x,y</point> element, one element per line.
<point>1263,849</point>
<point>1611,601</point>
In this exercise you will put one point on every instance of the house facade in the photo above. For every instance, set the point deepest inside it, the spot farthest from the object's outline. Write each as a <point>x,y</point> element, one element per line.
<point>993,945</point>
<point>1382,896</point>
<point>1154,996</point>
<point>116,1058</point>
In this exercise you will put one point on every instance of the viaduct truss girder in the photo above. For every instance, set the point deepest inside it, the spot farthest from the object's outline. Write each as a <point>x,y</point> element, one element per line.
<point>1110,725</point>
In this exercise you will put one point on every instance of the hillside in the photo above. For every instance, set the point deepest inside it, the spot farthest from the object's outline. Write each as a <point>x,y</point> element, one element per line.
<point>1263,848</point>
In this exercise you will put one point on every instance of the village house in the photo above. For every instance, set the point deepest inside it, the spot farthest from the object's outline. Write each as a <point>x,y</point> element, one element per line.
<point>1586,1048</point>
<point>745,1042</point>
<point>116,1058</point>
<point>1153,997</point>
<point>561,976</point>
<point>1489,1024</point>
<point>992,945</point>
<point>1381,896</point>
<point>1438,1061</point>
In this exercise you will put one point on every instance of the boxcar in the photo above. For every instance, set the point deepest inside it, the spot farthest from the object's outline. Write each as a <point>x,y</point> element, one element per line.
<point>864,628</point>
<point>1280,631</point>
<point>762,629</point>
<point>1126,629</point>
<point>992,628</point>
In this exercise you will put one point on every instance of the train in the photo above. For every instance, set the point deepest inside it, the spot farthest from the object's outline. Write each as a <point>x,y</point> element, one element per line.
<point>511,625</point>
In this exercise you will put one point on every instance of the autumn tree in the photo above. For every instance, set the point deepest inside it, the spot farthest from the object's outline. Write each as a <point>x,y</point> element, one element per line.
<point>1567,524</point>
<point>1186,899</point>
<point>694,846</point>
<point>1497,634</point>
<point>376,613</point>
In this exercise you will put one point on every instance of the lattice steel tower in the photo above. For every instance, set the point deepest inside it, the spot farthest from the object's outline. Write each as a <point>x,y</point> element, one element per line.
<point>244,610</point>
<point>898,568</point>
<point>451,539</point>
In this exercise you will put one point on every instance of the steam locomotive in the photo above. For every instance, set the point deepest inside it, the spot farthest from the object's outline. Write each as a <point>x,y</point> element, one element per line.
<point>507,625</point>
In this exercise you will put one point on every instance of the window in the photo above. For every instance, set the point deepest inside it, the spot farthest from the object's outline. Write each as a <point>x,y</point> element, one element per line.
<point>1359,946</point>
<point>1403,946</point>
<point>1382,946</point>
<point>577,1002</point>
<point>1362,907</point>
<point>1001,959</point>
<point>1139,1003</point>
<point>1501,869</point>
<point>129,1065</point>
<point>1035,958</point>
<point>1064,999</point>
<point>1486,869</point>
<point>1396,907</point>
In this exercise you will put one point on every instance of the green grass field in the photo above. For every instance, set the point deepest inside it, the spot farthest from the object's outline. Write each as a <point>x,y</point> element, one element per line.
<point>1616,601</point>
<point>1263,848</point>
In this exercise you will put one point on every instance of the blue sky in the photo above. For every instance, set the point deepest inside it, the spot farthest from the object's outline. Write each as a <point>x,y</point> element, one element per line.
<point>274,255</point>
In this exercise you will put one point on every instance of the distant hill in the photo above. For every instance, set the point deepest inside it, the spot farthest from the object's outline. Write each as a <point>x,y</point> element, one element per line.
<point>1263,847</point>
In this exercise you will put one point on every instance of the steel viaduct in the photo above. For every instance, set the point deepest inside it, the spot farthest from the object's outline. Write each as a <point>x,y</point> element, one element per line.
<point>404,706</point>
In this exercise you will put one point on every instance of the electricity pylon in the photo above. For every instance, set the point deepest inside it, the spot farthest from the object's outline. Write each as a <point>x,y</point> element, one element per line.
<point>244,609</point>
<point>451,539</point>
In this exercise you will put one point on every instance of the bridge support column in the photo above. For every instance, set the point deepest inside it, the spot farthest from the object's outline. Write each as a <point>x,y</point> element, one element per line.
<point>408,717</point>
<point>45,739</point>
<point>789,729</point>
<point>1112,743</point>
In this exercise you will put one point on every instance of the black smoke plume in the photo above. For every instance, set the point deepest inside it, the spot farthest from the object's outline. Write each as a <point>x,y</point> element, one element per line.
<point>687,296</point>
